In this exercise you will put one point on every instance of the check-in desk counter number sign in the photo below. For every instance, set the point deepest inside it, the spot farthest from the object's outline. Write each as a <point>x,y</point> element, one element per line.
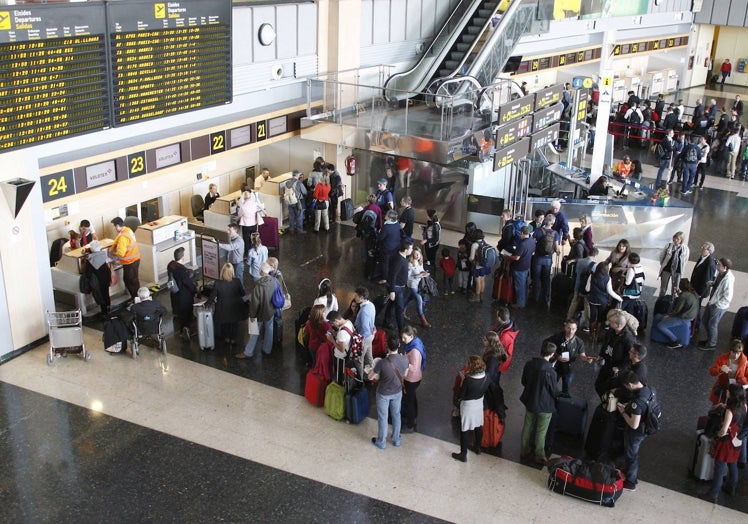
<point>157,241</point>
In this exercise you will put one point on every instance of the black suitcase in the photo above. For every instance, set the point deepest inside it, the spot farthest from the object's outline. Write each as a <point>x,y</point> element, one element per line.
<point>605,436</point>
<point>277,330</point>
<point>346,209</point>
<point>663,305</point>
<point>571,416</point>
<point>562,289</point>
<point>638,308</point>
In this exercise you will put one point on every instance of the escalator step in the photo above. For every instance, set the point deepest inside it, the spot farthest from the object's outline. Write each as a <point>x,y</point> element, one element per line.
<point>461,47</point>
<point>445,72</point>
<point>474,30</point>
<point>451,64</point>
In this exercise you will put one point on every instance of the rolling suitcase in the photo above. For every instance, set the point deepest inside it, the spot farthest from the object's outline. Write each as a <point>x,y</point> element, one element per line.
<point>205,329</point>
<point>346,209</point>
<point>335,400</point>
<point>503,287</point>
<point>269,234</point>
<point>277,330</point>
<point>702,465</point>
<point>357,405</point>
<point>663,305</point>
<point>562,289</point>
<point>571,416</point>
<point>314,389</point>
<point>604,438</point>
<point>638,308</point>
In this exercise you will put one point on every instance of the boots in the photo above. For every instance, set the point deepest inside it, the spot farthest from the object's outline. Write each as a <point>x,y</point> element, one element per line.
<point>424,322</point>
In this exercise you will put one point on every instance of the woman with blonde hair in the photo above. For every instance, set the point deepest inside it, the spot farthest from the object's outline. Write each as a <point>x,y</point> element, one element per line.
<point>256,256</point>
<point>229,297</point>
<point>415,274</point>
<point>470,398</point>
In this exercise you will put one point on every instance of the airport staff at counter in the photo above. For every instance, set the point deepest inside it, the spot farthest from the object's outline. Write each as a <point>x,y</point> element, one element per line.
<point>211,196</point>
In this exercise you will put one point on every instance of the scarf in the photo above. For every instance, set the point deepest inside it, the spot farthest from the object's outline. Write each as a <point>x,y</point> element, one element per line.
<point>417,344</point>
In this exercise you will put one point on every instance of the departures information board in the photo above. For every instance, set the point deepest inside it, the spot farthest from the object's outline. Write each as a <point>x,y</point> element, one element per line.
<point>53,73</point>
<point>69,69</point>
<point>168,57</point>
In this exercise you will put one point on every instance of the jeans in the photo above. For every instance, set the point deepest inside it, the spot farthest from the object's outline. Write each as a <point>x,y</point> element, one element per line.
<point>448,284</point>
<point>664,164</point>
<point>542,421</point>
<point>666,328</point>
<point>520,286</point>
<point>719,474</point>
<point>415,295</point>
<point>710,321</point>
<point>689,176</point>
<point>566,381</point>
<point>239,271</point>
<point>541,278</point>
<point>389,403</point>
<point>266,332</point>
<point>296,217</point>
<point>632,440</point>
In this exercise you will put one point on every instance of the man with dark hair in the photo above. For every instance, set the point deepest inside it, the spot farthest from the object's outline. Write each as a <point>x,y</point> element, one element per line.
<point>539,397</point>
<point>614,350</point>
<point>125,249</point>
<point>235,250</point>
<point>633,414</point>
<point>397,281</point>
<point>521,258</point>
<point>183,296</point>
<point>364,323</point>
<point>407,216</point>
<point>507,335</point>
<point>568,347</point>
<point>390,371</point>
<point>719,301</point>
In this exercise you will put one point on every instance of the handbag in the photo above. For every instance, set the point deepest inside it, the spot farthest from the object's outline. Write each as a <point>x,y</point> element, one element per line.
<point>286,298</point>
<point>253,326</point>
<point>258,218</point>
<point>321,204</point>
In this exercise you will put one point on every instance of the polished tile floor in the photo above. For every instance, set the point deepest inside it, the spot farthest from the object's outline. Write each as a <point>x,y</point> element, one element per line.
<point>199,436</point>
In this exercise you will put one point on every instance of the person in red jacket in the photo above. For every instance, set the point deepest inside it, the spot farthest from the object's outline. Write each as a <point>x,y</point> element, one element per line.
<point>449,267</point>
<point>732,365</point>
<point>507,335</point>
<point>726,69</point>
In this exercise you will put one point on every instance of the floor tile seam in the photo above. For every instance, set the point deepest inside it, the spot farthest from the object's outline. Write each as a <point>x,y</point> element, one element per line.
<point>429,442</point>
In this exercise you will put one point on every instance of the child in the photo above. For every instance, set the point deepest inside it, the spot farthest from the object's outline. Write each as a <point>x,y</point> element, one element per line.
<point>448,266</point>
<point>463,266</point>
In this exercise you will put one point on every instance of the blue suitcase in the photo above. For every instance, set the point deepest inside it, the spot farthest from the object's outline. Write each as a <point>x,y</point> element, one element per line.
<point>357,405</point>
<point>571,416</point>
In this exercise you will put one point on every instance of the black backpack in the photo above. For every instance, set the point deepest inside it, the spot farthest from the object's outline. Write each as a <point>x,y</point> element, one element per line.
<point>653,418</point>
<point>545,245</point>
<point>634,118</point>
<point>691,155</point>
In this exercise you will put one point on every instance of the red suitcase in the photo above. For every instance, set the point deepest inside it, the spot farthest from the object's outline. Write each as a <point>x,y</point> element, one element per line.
<point>269,234</point>
<point>314,389</point>
<point>379,344</point>
<point>503,287</point>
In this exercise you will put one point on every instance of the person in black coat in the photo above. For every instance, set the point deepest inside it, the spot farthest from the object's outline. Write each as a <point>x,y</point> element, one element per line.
<point>230,299</point>
<point>705,271</point>
<point>182,297</point>
<point>539,397</point>
<point>614,351</point>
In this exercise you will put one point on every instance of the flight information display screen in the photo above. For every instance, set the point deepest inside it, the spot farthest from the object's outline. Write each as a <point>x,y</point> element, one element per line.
<point>169,57</point>
<point>53,73</point>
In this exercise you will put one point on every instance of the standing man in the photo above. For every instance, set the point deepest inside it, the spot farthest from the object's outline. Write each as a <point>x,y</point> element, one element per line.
<point>125,249</point>
<point>704,271</point>
<point>235,250</point>
<point>521,260</point>
<point>633,414</point>
<point>183,297</point>
<point>702,165</point>
<point>391,370</point>
<point>407,217</point>
<point>260,180</point>
<point>397,282</point>
<point>719,301</point>
<point>385,201</point>
<point>725,69</point>
<point>737,106</point>
<point>614,351</point>
<point>665,156</point>
<point>295,196</point>
<point>539,397</point>
<point>365,322</point>
<point>568,347</point>
<point>547,242</point>
<point>691,157</point>
<point>733,148</point>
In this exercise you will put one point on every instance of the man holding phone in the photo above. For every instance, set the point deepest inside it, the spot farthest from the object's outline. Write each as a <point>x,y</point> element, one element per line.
<point>633,414</point>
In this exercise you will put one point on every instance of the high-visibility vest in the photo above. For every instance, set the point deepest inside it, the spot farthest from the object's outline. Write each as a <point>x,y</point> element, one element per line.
<point>133,251</point>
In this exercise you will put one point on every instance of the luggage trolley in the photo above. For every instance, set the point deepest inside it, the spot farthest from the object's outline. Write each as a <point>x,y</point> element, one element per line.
<point>66,335</point>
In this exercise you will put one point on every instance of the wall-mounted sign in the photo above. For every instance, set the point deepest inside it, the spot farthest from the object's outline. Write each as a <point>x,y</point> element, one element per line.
<point>217,142</point>
<point>277,126</point>
<point>240,136</point>
<point>168,156</point>
<point>136,165</point>
<point>100,174</point>
<point>57,185</point>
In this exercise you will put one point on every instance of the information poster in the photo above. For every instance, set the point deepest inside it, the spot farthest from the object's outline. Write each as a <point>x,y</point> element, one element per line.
<point>209,250</point>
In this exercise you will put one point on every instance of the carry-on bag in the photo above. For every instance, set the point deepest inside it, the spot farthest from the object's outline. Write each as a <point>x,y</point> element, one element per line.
<point>571,415</point>
<point>594,482</point>
<point>315,388</point>
<point>205,329</point>
<point>335,400</point>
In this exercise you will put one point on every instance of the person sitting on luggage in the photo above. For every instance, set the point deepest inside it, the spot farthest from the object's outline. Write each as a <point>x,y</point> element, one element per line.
<point>685,309</point>
<point>148,312</point>
<point>568,347</point>
<point>730,367</point>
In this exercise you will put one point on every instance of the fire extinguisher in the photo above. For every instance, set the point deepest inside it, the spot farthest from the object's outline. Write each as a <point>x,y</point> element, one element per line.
<point>350,165</point>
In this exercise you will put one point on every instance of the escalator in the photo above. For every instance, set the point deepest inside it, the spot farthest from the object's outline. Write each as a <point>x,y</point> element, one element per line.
<point>470,50</point>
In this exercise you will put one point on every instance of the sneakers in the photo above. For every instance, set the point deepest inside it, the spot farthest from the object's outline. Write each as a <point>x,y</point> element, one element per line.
<point>687,192</point>
<point>707,348</point>
<point>675,345</point>
<point>629,486</point>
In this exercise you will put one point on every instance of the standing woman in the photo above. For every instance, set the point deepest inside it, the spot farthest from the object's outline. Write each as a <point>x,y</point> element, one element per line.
<point>470,398</point>
<point>432,238</point>
<point>248,208</point>
<point>229,297</point>
<point>96,266</point>
<point>415,274</point>
<point>416,354</point>
<point>725,454</point>
<point>322,195</point>
<point>673,259</point>
<point>619,257</point>
<point>599,292</point>
<point>315,330</point>
<point>586,225</point>
<point>494,355</point>
<point>256,257</point>
<point>181,300</point>
<point>326,297</point>
<point>730,367</point>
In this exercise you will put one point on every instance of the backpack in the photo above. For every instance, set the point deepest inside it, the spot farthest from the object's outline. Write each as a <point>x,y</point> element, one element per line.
<point>366,225</point>
<point>660,151</point>
<point>278,299</point>
<point>691,155</point>
<point>513,227</point>
<point>634,118</point>
<point>486,254</point>
<point>356,349</point>
<point>585,275</point>
<point>545,246</point>
<point>290,195</point>
<point>357,216</point>
<point>653,418</point>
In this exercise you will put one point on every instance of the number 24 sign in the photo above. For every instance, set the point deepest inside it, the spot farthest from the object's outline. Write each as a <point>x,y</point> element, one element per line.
<point>57,185</point>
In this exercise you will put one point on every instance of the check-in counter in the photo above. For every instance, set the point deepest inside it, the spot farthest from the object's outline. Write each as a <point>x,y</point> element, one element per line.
<point>222,212</point>
<point>66,279</point>
<point>157,241</point>
<point>271,195</point>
